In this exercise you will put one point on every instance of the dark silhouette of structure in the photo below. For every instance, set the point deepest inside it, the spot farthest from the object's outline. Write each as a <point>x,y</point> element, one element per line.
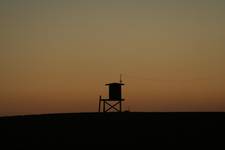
<point>114,101</point>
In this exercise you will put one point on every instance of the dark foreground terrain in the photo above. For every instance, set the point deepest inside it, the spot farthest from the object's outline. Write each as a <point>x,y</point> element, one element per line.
<point>130,128</point>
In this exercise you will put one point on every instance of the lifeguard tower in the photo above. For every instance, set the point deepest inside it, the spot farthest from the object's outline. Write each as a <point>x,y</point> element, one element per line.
<point>114,102</point>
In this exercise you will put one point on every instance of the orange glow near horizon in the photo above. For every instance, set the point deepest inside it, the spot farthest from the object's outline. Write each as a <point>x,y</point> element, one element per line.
<point>57,55</point>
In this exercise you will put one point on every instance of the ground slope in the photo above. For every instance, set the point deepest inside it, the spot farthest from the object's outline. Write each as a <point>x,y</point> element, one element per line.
<point>110,128</point>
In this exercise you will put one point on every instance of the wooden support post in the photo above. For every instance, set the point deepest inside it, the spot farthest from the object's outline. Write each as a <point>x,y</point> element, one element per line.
<point>120,106</point>
<point>99,103</point>
<point>104,106</point>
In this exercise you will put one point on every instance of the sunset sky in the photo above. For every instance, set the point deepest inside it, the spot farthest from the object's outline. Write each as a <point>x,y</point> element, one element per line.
<point>57,55</point>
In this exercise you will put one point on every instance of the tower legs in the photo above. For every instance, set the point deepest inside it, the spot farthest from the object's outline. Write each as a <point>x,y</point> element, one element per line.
<point>109,105</point>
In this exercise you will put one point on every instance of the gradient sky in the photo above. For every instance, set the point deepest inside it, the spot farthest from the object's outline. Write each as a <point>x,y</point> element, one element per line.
<point>57,55</point>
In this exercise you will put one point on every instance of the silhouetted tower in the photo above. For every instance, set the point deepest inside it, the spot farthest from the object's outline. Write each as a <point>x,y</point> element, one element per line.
<point>114,101</point>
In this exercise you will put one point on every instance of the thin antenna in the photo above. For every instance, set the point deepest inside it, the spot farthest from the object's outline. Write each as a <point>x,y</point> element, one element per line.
<point>120,78</point>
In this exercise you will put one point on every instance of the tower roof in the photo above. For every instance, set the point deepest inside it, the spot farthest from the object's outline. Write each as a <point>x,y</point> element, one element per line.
<point>115,83</point>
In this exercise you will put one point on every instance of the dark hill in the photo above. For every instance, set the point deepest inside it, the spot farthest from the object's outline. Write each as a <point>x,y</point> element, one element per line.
<point>110,128</point>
